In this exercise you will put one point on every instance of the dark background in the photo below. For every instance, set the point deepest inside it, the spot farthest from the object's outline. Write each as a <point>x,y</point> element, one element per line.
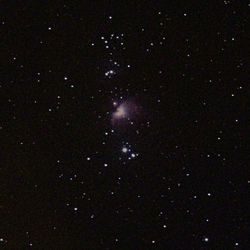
<point>188,71</point>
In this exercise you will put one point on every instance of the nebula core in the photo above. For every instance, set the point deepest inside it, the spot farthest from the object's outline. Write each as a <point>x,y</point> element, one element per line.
<point>125,111</point>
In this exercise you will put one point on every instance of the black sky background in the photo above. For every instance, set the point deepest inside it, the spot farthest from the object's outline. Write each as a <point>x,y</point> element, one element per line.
<point>188,187</point>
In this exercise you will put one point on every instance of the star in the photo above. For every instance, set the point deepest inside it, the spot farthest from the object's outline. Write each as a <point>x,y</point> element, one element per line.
<point>109,73</point>
<point>124,150</point>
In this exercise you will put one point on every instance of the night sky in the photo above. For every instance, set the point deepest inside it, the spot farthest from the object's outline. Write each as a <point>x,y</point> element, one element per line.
<point>123,125</point>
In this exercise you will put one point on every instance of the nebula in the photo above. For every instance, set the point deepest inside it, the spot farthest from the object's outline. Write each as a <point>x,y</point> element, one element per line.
<point>125,111</point>
<point>120,112</point>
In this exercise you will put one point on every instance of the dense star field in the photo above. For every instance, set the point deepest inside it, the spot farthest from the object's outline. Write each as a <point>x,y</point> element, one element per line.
<point>124,125</point>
